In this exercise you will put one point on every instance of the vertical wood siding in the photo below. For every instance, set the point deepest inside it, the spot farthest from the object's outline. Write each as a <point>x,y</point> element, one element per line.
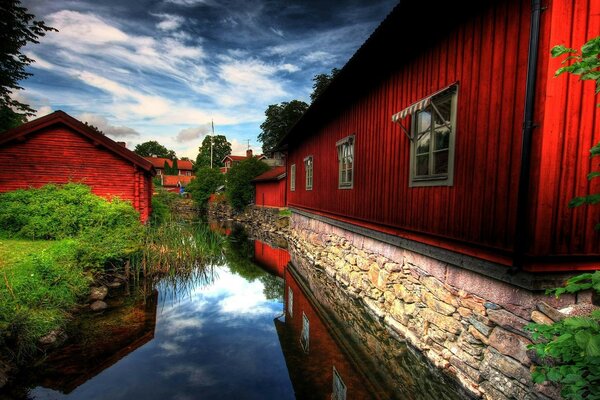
<point>59,155</point>
<point>487,56</point>
<point>270,194</point>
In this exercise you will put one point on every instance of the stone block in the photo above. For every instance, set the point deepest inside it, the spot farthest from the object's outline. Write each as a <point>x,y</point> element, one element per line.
<point>550,311</point>
<point>508,321</point>
<point>480,326</point>
<point>441,321</point>
<point>510,344</point>
<point>473,304</point>
<point>540,318</point>
<point>403,293</point>
<point>466,369</point>
<point>464,312</point>
<point>98,293</point>
<point>508,366</point>
<point>437,288</point>
<point>437,305</point>
<point>478,335</point>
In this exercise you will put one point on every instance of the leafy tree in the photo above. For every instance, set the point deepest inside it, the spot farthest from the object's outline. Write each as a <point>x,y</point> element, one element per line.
<point>206,182</point>
<point>167,169</point>
<point>320,83</point>
<point>185,159</point>
<point>280,118</point>
<point>221,148</point>
<point>240,190</point>
<point>570,349</point>
<point>18,28</point>
<point>153,148</point>
<point>174,168</point>
<point>94,128</point>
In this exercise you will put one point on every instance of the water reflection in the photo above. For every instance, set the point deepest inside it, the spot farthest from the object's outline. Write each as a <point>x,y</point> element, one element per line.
<point>233,330</point>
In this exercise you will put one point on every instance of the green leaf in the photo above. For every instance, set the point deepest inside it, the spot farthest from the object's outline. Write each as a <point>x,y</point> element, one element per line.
<point>560,49</point>
<point>582,338</point>
<point>595,151</point>
<point>576,202</point>
<point>593,175</point>
<point>593,346</point>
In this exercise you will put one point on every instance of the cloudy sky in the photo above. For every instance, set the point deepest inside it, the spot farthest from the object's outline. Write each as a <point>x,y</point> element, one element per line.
<point>163,69</point>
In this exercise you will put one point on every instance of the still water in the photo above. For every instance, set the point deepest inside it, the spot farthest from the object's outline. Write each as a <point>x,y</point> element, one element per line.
<point>252,326</point>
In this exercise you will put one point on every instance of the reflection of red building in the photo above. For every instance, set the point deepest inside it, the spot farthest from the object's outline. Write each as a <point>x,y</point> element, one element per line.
<point>271,259</point>
<point>270,188</point>
<point>316,362</point>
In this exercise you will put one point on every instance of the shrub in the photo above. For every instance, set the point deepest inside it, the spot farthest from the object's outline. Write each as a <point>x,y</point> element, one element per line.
<point>240,190</point>
<point>206,182</point>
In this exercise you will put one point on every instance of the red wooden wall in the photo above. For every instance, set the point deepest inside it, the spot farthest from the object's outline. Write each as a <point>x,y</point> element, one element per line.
<point>60,155</point>
<point>270,193</point>
<point>487,56</point>
<point>272,259</point>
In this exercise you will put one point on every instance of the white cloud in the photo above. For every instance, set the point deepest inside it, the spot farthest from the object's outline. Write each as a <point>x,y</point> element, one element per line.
<point>169,22</point>
<point>239,148</point>
<point>191,134</point>
<point>278,32</point>
<point>188,2</point>
<point>102,123</point>
<point>195,374</point>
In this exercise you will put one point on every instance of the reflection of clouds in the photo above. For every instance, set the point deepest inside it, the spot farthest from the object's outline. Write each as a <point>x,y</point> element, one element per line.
<point>170,349</point>
<point>195,375</point>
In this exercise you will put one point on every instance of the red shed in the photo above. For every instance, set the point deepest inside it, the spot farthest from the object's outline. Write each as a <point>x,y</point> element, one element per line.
<point>270,188</point>
<point>493,176</point>
<point>59,149</point>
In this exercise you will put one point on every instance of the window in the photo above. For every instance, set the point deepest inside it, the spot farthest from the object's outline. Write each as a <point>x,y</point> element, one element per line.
<point>305,334</point>
<point>339,387</point>
<point>432,147</point>
<point>293,177</point>
<point>290,304</point>
<point>308,168</point>
<point>345,150</point>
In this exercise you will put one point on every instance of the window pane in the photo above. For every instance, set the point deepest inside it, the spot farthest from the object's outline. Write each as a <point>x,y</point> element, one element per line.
<point>442,138</point>
<point>422,167</point>
<point>440,161</point>
<point>423,121</point>
<point>423,143</point>
<point>444,106</point>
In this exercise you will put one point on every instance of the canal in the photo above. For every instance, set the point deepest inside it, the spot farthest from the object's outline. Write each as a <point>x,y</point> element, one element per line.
<point>249,326</point>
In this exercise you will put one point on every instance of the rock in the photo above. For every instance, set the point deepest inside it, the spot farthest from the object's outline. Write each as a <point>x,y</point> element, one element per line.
<point>464,312</point>
<point>480,326</point>
<point>508,321</point>
<point>491,306</point>
<point>478,335</point>
<point>98,293</point>
<point>437,305</point>
<point>510,344</point>
<point>472,304</point>
<point>98,305</point>
<point>448,324</point>
<point>438,290</point>
<point>403,293</point>
<point>51,338</point>
<point>540,318</point>
<point>113,285</point>
<point>550,311</point>
<point>508,366</point>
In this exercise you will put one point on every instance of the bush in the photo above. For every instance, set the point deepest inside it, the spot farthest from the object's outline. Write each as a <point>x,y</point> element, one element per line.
<point>162,204</point>
<point>240,190</point>
<point>206,182</point>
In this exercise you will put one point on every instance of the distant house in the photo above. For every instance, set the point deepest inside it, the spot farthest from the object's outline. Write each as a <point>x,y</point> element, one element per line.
<point>270,188</point>
<point>230,160</point>
<point>185,167</point>
<point>173,183</point>
<point>59,149</point>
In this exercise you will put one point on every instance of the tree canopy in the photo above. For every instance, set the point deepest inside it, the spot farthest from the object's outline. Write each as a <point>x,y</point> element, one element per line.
<point>206,182</point>
<point>320,83</point>
<point>221,148</point>
<point>153,148</point>
<point>279,120</point>
<point>18,28</point>
<point>240,190</point>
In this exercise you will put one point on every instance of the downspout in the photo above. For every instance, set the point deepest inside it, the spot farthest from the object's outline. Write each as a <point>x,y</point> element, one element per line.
<point>522,228</point>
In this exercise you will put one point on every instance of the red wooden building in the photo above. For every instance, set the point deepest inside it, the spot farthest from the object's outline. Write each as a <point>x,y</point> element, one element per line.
<point>270,188</point>
<point>185,167</point>
<point>272,259</point>
<point>492,176</point>
<point>59,149</point>
<point>173,183</point>
<point>230,160</point>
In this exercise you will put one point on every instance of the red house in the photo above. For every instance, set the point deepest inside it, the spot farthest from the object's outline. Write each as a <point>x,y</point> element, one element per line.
<point>185,167</point>
<point>59,149</point>
<point>491,179</point>
<point>270,188</point>
<point>230,160</point>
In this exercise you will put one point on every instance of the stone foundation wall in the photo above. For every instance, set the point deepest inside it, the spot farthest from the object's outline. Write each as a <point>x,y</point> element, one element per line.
<point>467,324</point>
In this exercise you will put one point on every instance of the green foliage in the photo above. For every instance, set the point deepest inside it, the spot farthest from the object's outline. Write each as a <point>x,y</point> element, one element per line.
<point>18,28</point>
<point>221,148</point>
<point>240,191</point>
<point>161,207</point>
<point>153,148</point>
<point>206,182</point>
<point>320,83</point>
<point>285,212</point>
<point>174,168</point>
<point>578,283</point>
<point>280,118</point>
<point>37,290</point>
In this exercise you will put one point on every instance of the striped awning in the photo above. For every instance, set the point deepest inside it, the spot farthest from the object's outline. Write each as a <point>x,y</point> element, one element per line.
<point>421,104</point>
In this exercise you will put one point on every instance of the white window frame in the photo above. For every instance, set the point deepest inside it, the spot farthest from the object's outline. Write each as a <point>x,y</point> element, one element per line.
<point>290,304</point>
<point>309,168</point>
<point>446,179</point>
<point>339,389</point>
<point>293,178</point>
<point>346,157</point>
<point>305,334</point>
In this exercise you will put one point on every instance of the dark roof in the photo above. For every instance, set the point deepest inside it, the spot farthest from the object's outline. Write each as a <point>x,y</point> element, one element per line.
<point>62,118</point>
<point>394,42</point>
<point>274,174</point>
<point>159,162</point>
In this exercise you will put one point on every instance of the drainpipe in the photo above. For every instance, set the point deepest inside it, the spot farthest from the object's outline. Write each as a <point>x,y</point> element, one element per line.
<point>521,234</point>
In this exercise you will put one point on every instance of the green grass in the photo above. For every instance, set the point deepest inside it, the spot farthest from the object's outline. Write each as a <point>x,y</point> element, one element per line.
<point>40,283</point>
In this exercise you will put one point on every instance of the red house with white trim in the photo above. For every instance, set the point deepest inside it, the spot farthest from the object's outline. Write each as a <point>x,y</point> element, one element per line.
<point>185,167</point>
<point>230,160</point>
<point>270,188</point>
<point>59,149</point>
<point>455,136</point>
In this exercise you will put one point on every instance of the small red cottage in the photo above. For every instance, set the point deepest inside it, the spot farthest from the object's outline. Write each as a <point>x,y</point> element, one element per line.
<point>230,160</point>
<point>185,167</point>
<point>59,149</point>
<point>172,183</point>
<point>270,188</point>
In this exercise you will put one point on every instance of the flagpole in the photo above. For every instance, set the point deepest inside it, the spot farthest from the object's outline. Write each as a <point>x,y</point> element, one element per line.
<point>211,143</point>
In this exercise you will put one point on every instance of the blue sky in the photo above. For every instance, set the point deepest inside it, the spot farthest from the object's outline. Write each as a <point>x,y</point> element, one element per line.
<point>163,69</point>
